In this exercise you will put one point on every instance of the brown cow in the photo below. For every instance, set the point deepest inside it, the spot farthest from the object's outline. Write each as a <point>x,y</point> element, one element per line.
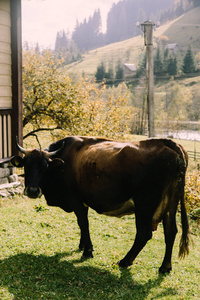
<point>113,178</point>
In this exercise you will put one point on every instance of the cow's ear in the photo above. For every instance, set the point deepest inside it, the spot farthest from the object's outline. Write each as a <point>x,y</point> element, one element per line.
<point>17,161</point>
<point>56,163</point>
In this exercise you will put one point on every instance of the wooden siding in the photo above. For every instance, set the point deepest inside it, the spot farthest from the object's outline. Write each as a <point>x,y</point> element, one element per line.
<point>5,5</point>
<point>5,133</point>
<point>16,63</point>
<point>5,80</point>
<point>10,77</point>
<point>5,56</point>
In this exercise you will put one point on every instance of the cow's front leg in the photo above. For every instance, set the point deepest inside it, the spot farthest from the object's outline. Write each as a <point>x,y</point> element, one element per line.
<point>85,241</point>
<point>143,234</point>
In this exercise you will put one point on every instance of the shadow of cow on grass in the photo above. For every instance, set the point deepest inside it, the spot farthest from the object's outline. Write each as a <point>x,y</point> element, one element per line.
<point>27,276</point>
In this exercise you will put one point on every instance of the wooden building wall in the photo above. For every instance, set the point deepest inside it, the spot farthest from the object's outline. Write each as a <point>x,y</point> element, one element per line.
<point>10,76</point>
<point>5,79</point>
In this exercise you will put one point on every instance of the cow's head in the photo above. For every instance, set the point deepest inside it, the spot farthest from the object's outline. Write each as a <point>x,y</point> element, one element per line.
<point>36,163</point>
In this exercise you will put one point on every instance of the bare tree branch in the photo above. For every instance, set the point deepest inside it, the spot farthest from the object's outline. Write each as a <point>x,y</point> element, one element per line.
<point>33,133</point>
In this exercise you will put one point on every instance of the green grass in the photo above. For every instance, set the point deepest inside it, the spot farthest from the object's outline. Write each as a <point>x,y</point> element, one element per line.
<point>39,258</point>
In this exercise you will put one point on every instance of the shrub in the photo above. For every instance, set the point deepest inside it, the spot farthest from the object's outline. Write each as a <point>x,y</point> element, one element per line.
<point>192,195</point>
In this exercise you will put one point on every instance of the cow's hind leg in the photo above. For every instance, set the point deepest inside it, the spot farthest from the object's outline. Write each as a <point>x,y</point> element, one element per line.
<point>170,231</point>
<point>85,241</point>
<point>144,233</point>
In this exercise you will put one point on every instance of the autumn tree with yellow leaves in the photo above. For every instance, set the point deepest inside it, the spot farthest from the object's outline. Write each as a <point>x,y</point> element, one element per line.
<point>56,102</point>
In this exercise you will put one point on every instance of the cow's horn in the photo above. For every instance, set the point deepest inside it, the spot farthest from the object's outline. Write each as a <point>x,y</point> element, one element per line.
<point>21,149</point>
<point>50,154</point>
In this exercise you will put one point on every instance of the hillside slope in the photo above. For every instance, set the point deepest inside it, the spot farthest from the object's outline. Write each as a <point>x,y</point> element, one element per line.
<point>183,31</point>
<point>186,30</point>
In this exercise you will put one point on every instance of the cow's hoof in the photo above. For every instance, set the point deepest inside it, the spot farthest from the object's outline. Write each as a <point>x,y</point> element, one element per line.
<point>164,269</point>
<point>81,247</point>
<point>124,264</point>
<point>87,254</point>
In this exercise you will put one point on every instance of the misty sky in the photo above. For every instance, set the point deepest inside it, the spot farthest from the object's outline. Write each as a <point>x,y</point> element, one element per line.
<point>42,19</point>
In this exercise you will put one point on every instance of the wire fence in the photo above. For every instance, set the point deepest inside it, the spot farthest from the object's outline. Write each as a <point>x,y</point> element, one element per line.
<point>194,155</point>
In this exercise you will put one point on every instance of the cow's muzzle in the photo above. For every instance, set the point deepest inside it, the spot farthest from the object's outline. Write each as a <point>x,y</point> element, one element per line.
<point>33,192</point>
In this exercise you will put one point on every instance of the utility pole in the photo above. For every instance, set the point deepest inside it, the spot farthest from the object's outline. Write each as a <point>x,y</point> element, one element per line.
<point>147,28</point>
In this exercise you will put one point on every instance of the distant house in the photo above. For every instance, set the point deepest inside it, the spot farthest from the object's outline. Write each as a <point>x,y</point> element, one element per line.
<point>10,77</point>
<point>129,70</point>
<point>172,47</point>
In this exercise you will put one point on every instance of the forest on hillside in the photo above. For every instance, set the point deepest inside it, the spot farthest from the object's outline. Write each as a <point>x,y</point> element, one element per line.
<point>122,21</point>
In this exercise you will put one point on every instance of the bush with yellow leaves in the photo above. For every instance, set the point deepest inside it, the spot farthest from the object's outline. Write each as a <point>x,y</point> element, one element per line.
<point>192,195</point>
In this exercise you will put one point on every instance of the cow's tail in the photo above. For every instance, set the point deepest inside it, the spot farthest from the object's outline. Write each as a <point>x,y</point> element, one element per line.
<point>184,242</point>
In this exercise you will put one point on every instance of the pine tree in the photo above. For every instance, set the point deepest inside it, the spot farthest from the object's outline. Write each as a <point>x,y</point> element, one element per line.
<point>57,44</point>
<point>101,72</point>
<point>196,3</point>
<point>141,69</point>
<point>119,71</point>
<point>188,62</point>
<point>62,42</point>
<point>158,65</point>
<point>179,10</point>
<point>87,35</point>
<point>165,60</point>
<point>37,48</point>
<point>109,75</point>
<point>172,66</point>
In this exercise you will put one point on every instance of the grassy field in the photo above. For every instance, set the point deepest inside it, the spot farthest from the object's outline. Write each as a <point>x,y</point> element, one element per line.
<point>185,30</point>
<point>39,258</point>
